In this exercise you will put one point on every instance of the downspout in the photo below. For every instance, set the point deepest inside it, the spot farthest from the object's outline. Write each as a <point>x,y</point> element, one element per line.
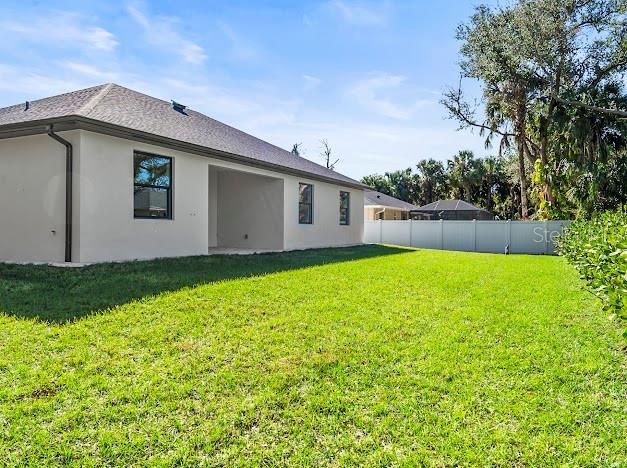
<point>68,191</point>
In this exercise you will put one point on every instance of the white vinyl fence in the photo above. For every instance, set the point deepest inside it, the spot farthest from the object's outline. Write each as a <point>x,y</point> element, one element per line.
<point>522,237</point>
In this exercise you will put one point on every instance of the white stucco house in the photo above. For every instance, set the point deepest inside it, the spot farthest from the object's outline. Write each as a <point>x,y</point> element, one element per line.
<point>107,173</point>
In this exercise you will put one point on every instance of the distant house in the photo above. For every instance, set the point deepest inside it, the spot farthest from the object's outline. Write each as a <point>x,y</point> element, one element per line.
<point>378,205</point>
<point>451,210</point>
<point>108,173</point>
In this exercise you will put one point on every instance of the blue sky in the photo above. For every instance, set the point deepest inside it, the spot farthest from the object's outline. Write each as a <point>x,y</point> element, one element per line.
<point>367,76</point>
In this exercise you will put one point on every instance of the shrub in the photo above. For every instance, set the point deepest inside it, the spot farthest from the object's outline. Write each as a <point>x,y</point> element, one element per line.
<point>598,249</point>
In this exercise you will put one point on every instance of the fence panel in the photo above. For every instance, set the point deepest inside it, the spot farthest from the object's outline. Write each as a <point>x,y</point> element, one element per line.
<point>396,232</point>
<point>458,235</point>
<point>372,232</point>
<point>525,238</point>
<point>492,236</point>
<point>427,236</point>
<point>528,237</point>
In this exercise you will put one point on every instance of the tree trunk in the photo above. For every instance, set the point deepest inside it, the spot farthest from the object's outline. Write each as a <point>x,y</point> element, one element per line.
<point>544,159</point>
<point>489,200</point>
<point>521,145</point>
<point>524,203</point>
<point>545,122</point>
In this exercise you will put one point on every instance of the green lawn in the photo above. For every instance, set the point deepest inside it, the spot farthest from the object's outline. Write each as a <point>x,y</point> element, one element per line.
<point>369,355</point>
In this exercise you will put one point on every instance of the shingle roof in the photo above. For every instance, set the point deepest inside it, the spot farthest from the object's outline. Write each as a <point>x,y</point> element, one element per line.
<point>450,205</point>
<point>123,107</point>
<point>381,199</point>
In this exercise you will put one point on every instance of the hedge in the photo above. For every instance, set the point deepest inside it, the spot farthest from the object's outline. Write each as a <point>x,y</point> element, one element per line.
<point>597,247</point>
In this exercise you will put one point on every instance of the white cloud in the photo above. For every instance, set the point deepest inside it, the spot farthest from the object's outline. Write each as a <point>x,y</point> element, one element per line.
<point>61,28</point>
<point>162,32</point>
<point>366,93</point>
<point>17,83</point>
<point>311,82</point>
<point>358,15</point>
<point>90,71</point>
<point>101,38</point>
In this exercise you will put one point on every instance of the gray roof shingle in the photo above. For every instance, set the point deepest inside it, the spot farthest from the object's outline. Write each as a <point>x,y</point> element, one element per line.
<point>450,205</point>
<point>123,107</point>
<point>381,199</point>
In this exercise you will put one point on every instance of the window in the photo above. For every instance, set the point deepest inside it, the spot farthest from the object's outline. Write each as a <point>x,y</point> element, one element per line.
<point>345,202</point>
<point>152,186</point>
<point>305,203</point>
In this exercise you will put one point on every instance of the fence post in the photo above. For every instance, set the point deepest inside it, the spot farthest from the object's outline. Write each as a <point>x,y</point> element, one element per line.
<point>508,246</point>
<point>411,229</point>
<point>380,231</point>
<point>441,234</point>
<point>546,237</point>
<point>474,235</point>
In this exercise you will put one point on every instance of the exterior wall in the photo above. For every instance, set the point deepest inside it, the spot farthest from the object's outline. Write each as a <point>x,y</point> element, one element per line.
<point>326,230</point>
<point>249,211</point>
<point>32,198</point>
<point>108,230</point>
<point>369,214</point>
<point>32,204</point>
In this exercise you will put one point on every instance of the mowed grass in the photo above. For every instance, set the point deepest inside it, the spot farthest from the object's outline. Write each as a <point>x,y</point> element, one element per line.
<point>369,356</point>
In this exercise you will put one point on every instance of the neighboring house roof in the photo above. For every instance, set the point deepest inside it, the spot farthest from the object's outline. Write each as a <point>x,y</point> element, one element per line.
<point>381,199</point>
<point>115,110</point>
<point>450,205</point>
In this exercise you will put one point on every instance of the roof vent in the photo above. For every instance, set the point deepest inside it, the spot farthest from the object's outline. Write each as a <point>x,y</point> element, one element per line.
<point>178,107</point>
<point>26,105</point>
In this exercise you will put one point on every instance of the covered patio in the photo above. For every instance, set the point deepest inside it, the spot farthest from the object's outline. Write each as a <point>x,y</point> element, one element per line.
<point>245,212</point>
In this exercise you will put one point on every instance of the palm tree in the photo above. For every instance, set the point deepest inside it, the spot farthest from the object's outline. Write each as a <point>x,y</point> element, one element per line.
<point>465,175</point>
<point>378,182</point>
<point>431,180</point>
<point>402,183</point>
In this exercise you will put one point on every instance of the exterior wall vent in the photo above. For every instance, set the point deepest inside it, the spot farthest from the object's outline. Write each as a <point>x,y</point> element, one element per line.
<point>178,107</point>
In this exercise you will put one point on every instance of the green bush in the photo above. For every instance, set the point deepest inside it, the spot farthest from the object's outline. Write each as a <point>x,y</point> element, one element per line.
<point>598,249</point>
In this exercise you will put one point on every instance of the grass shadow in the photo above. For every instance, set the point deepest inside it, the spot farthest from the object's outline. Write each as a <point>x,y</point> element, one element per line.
<point>59,295</point>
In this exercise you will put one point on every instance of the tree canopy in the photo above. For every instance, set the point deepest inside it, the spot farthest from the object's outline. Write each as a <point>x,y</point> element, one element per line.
<point>489,183</point>
<point>551,74</point>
